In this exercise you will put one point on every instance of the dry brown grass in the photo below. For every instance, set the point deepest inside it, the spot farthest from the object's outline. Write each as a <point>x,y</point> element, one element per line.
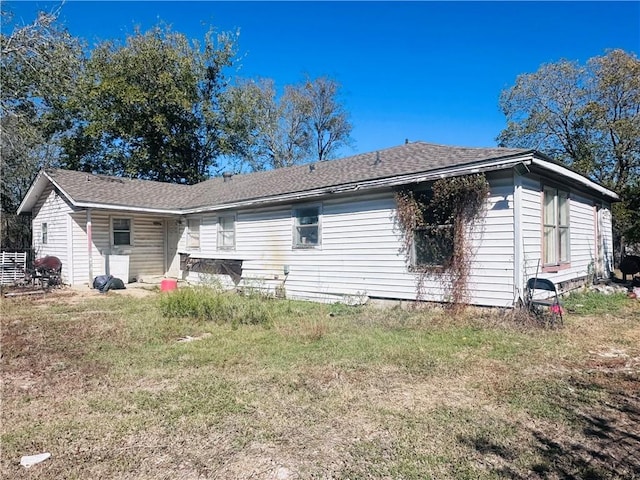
<point>103,383</point>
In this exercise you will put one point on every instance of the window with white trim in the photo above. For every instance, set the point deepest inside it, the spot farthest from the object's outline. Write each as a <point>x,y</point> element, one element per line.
<point>306,227</point>
<point>45,233</point>
<point>193,233</point>
<point>555,219</point>
<point>121,231</point>
<point>227,232</point>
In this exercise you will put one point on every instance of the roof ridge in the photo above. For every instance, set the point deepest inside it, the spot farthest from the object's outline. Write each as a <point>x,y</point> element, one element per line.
<point>115,178</point>
<point>284,170</point>
<point>463,147</point>
<point>374,166</point>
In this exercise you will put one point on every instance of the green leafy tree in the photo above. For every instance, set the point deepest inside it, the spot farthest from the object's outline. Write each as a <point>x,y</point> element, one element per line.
<point>587,116</point>
<point>39,64</point>
<point>150,108</point>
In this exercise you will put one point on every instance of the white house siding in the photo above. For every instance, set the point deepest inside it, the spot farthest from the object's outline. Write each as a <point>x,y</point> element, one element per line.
<point>491,275</point>
<point>361,252</point>
<point>582,234</point>
<point>531,227</point>
<point>148,251</point>
<point>53,210</point>
<point>607,238</point>
<point>146,255</point>
<point>583,239</point>
<point>80,263</point>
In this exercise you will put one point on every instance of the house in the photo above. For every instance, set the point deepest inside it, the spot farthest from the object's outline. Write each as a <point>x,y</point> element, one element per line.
<point>327,231</point>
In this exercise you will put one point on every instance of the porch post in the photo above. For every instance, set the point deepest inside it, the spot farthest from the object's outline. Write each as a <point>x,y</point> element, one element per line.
<point>70,260</point>
<point>89,247</point>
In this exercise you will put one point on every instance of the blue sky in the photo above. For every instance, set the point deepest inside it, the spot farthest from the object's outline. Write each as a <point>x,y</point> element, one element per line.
<point>430,71</point>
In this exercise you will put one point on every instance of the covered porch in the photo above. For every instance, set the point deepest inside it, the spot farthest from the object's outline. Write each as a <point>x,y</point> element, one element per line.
<point>133,246</point>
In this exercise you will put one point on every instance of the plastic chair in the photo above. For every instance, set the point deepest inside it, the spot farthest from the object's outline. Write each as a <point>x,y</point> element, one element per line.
<point>536,301</point>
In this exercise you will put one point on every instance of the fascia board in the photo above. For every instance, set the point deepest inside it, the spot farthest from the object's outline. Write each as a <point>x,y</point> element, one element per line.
<point>26,205</point>
<point>127,208</point>
<point>35,190</point>
<point>576,177</point>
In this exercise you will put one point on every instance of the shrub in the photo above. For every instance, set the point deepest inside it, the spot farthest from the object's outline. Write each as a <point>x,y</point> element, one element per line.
<point>212,305</point>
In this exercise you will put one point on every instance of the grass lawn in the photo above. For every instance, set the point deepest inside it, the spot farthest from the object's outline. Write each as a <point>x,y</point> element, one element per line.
<point>121,387</point>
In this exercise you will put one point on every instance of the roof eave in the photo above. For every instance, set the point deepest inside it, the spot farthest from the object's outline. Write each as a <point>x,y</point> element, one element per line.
<point>387,182</point>
<point>38,185</point>
<point>545,163</point>
<point>128,208</point>
<point>35,190</point>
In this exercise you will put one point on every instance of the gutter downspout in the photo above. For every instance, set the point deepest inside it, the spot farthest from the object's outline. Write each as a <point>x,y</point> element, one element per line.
<point>89,247</point>
<point>518,250</point>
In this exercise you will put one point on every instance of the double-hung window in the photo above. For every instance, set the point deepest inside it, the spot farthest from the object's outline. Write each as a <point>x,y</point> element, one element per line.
<point>227,232</point>
<point>121,231</point>
<point>306,227</point>
<point>193,233</point>
<point>45,233</point>
<point>432,245</point>
<point>432,234</point>
<point>556,240</point>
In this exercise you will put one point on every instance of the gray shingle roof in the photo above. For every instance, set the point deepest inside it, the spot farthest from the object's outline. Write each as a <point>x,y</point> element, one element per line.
<point>406,159</point>
<point>87,188</point>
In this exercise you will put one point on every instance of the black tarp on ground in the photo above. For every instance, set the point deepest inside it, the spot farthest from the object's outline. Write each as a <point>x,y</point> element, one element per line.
<point>104,283</point>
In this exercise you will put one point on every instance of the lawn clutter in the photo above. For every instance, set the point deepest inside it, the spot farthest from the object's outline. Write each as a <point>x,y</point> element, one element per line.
<point>630,265</point>
<point>104,283</point>
<point>168,285</point>
<point>189,338</point>
<point>608,287</point>
<point>47,271</point>
<point>12,267</point>
<point>29,461</point>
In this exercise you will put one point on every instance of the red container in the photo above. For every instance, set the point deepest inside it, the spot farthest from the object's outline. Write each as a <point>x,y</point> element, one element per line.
<point>168,284</point>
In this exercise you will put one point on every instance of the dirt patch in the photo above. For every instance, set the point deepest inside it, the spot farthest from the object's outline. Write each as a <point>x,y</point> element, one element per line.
<point>70,295</point>
<point>137,292</point>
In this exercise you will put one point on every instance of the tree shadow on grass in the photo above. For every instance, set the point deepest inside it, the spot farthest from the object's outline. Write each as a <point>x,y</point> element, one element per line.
<point>603,443</point>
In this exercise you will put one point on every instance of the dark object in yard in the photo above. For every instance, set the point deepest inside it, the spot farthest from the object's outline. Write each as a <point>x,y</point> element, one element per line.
<point>47,263</point>
<point>47,270</point>
<point>104,283</point>
<point>629,265</point>
<point>114,284</point>
<point>100,281</point>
